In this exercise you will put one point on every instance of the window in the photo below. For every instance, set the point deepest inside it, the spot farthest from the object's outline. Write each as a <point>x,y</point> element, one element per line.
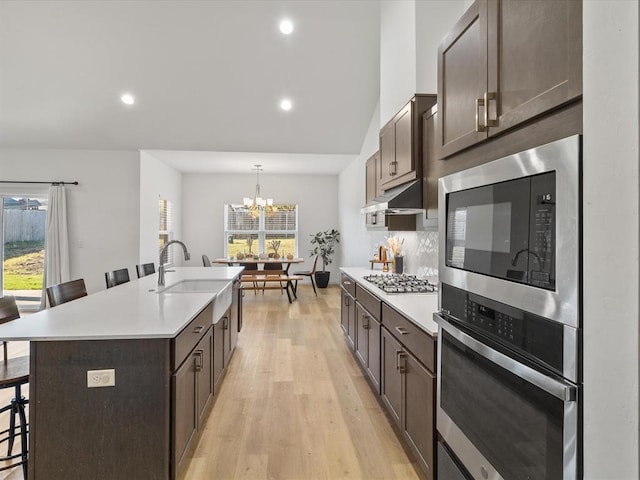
<point>165,230</point>
<point>254,231</point>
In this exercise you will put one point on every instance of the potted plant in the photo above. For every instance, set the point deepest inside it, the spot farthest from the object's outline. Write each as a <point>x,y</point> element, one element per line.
<point>324,243</point>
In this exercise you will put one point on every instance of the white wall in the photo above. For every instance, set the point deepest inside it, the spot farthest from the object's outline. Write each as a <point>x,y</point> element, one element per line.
<point>356,251</point>
<point>611,249</point>
<point>397,56</point>
<point>204,196</point>
<point>103,211</point>
<point>158,180</point>
<point>410,32</point>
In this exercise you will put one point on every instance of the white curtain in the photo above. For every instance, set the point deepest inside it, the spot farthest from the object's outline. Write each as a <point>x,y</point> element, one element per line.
<point>56,242</point>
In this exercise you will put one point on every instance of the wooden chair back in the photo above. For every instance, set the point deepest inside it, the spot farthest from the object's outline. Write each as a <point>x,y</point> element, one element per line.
<point>145,269</point>
<point>8,312</point>
<point>116,277</point>
<point>66,291</point>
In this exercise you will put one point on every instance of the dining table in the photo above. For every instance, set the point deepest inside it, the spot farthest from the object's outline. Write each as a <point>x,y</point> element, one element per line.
<point>256,262</point>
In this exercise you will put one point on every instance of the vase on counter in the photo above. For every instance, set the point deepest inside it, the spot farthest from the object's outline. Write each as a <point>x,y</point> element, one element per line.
<point>398,264</point>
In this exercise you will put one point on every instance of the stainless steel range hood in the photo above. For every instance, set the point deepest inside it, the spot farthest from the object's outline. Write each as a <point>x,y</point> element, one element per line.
<point>403,200</point>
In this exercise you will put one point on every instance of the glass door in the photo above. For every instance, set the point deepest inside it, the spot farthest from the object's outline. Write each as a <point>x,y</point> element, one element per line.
<point>22,253</point>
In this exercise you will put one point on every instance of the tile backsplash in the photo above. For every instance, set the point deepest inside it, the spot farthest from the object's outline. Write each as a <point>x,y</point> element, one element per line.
<point>420,250</point>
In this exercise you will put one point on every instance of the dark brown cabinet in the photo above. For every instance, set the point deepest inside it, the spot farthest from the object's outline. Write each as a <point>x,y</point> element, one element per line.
<point>408,384</point>
<point>191,384</point>
<point>372,166</point>
<point>391,385</point>
<point>401,144</point>
<point>506,62</point>
<point>432,167</point>
<point>348,310</point>
<point>220,335</point>
<point>367,338</point>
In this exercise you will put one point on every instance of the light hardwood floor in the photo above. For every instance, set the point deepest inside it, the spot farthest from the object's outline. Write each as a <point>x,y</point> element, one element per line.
<point>294,404</point>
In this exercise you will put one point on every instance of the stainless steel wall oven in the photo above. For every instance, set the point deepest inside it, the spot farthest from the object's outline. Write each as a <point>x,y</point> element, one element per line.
<point>509,350</point>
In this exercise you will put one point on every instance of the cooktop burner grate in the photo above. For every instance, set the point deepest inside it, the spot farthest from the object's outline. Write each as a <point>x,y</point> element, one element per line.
<point>400,283</point>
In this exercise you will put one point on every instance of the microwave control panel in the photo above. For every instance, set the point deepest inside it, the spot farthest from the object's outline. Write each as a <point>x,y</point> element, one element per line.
<point>542,230</point>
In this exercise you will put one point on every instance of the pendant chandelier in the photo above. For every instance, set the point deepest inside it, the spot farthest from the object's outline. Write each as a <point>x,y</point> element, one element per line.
<point>257,203</point>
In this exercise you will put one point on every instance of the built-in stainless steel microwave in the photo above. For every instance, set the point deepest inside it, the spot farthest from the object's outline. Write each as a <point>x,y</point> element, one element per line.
<point>511,231</point>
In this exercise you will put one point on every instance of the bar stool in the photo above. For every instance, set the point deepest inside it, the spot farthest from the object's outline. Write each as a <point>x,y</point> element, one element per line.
<point>116,277</point>
<point>14,373</point>
<point>66,291</point>
<point>145,269</point>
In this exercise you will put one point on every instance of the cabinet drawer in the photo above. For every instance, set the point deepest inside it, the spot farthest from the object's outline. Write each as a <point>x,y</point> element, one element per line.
<point>368,301</point>
<point>348,284</point>
<point>415,340</point>
<point>191,335</point>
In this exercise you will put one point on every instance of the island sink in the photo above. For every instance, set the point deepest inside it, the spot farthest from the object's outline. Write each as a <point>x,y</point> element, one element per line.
<point>195,286</point>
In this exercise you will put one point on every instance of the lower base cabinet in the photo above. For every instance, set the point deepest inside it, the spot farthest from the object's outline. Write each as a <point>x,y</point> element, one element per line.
<point>192,392</point>
<point>391,386</point>
<point>418,413</point>
<point>399,360</point>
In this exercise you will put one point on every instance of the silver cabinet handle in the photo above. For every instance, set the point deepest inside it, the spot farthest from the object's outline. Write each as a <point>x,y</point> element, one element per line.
<point>199,354</point>
<point>489,122</point>
<point>402,331</point>
<point>346,282</point>
<point>198,329</point>
<point>479,103</point>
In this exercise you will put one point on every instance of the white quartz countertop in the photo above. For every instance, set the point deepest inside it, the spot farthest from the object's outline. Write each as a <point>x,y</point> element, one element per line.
<point>417,307</point>
<point>132,310</point>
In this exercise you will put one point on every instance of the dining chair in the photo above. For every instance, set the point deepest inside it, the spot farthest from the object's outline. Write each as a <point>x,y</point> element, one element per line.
<point>274,268</point>
<point>66,291</point>
<point>116,277</point>
<point>309,273</point>
<point>205,261</point>
<point>145,269</point>
<point>14,373</point>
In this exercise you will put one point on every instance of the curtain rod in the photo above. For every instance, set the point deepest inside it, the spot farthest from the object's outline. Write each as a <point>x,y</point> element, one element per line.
<point>50,183</point>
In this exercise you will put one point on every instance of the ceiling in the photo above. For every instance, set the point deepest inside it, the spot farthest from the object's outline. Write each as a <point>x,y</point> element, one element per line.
<point>207,76</point>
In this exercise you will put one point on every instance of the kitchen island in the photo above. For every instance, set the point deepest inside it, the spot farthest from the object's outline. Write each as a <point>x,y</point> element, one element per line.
<point>122,380</point>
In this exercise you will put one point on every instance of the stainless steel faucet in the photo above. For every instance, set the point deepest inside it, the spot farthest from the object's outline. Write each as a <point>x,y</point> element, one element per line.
<point>161,269</point>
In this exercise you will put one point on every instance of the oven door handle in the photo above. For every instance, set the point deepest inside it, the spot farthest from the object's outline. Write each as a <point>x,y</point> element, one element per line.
<point>563,391</point>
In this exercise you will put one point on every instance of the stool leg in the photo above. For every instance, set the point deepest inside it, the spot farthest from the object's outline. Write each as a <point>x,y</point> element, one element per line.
<point>12,421</point>
<point>23,435</point>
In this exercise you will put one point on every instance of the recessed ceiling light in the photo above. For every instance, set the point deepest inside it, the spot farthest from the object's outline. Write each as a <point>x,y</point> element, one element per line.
<point>286,26</point>
<point>128,99</point>
<point>285,104</point>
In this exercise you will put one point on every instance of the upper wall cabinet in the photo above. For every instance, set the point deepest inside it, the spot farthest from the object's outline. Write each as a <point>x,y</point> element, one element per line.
<point>401,144</point>
<point>504,63</point>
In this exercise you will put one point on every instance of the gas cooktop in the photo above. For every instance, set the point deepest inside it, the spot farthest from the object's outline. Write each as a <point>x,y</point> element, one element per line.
<point>400,283</point>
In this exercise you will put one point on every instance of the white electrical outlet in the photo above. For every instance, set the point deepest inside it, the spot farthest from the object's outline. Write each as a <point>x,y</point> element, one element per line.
<point>101,378</point>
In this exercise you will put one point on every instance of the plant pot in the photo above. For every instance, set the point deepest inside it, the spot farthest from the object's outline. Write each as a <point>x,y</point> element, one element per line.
<point>322,279</point>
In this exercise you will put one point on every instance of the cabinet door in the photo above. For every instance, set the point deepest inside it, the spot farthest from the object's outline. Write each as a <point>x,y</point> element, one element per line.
<point>462,81</point>
<point>345,311</point>
<point>404,159</point>
<point>361,345</point>
<point>418,411</point>
<point>535,58</point>
<point>432,167</point>
<point>391,384</point>
<point>373,368</point>
<point>387,153</point>
<point>204,367</point>
<point>371,177</point>
<point>226,332</point>
<point>218,351</point>
<point>236,305</point>
<point>185,419</point>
